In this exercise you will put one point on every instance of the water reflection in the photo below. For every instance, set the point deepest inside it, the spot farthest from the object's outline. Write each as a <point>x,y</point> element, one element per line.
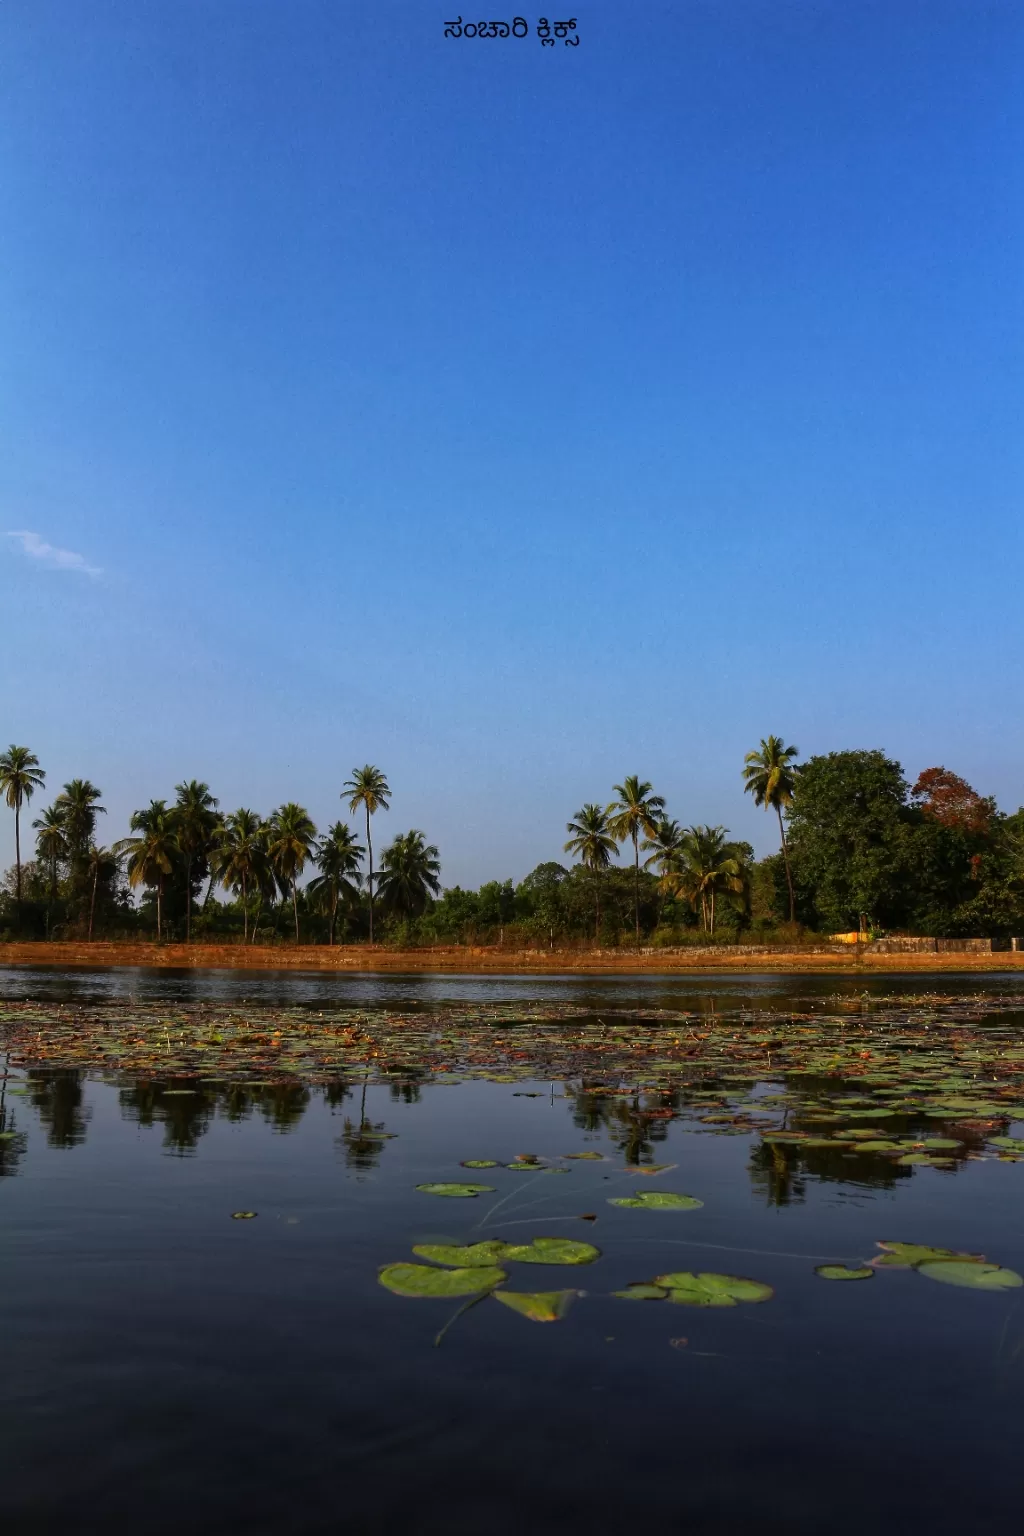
<point>58,1098</point>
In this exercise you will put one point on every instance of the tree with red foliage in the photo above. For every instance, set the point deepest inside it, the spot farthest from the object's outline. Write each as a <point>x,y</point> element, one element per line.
<point>951,801</point>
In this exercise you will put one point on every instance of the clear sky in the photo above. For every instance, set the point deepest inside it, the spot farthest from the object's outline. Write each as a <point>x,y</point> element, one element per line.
<point>515,418</point>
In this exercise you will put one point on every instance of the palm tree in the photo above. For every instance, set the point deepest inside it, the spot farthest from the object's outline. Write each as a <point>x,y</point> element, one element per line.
<point>635,811</point>
<point>51,843</point>
<point>770,776</point>
<point>290,840</point>
<point>195,812</point>
<point>239,858</point>
<point>78,803</point>
<point>594,846</point>
<point>370,789</point>
<point>20,777</point>
<point>152,852</point>
<point>664,847</point>
<point>409,874</point>
<point>101,864</point>
<point>708,865</point>
<point>337,859</point>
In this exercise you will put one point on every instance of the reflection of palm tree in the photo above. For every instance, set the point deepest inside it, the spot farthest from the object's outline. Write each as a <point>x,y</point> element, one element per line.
<point>12,1141</point>
<point>283,1104</point>
<point>182,1107</point>
<point>636,810</point>
<point>363,1142</point>
<point>56,1096</point>
<point>629,1124</point>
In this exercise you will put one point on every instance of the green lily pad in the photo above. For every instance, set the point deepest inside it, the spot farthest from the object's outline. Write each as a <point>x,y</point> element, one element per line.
<point>876,1146</point>
<point>242,1215</point>
<point>945,1144</point>
<point>973,1276</point>
<point>469,1256</point>
<point>424,1280</point>
<point>843,1272</point>
<point>657,1200</point>
<point>586,1157</point>
<point>712,1290</point>
<point>456,1191</point>
<point>538,1306</point>
<point>909,1255</point>
<point>479,1162</point>
<point>640,1292</point>
<point>550,1250</point>
<point>1011,1143</point>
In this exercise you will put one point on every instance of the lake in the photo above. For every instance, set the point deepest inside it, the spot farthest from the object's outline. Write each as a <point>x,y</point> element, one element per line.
<point>206,1173</point>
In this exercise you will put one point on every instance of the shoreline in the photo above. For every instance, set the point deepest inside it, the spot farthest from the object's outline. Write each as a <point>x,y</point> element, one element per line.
<point>361,959</point>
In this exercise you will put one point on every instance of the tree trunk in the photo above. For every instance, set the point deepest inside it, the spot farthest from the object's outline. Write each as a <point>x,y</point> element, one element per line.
<point>369,849</point>
<point>789,872</point>
<point>92,904</point>
<point>636,886</point>
<point>188,899</point>
<point>334,914</point>
<point>295,909</point>
<point>245,912</point>
<point>256,924</point>
<point>712,911</point>
<point>159,907</point>
<point>17,851</point>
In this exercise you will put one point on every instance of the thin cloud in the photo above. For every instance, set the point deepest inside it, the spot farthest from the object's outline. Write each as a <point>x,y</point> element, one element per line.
<point>61,559</point>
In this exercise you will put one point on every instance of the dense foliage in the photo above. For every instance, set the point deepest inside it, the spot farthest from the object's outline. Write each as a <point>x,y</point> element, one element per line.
<point>859,849</point>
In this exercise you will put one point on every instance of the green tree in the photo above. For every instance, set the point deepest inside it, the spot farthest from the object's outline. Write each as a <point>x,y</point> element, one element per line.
<point>409,874</point>
<point>337,858</point>
<point>239,858</point>
<point>152,852</point>
<point>709,865</point>
<point>51,844</point>
<point>593,845</point>
<point>196,820</point>
<point>368,789</point>
<point>635,811</point>
<point>79,806</point>
<point>20,777</point>
<point>291,838</point>
<point>770,776</point>
<point>101,864</point>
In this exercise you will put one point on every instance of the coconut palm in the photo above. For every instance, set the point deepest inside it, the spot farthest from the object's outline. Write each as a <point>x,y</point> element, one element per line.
<point>79,805</point>
<point>369,789</point>
<point>152,852</point>
<point>636,810</point>
<point>593,845</point>
<point>409,872</point>
<point>51,843</point>
<point>664,847</point>
<point>337,859</point>
<point>291,836</point>
<point>20,777</point>
<point>195,814</point>
<point>770,776</point>
<point>101,864</point>
<point>708,865</point>
<point>239,858</point>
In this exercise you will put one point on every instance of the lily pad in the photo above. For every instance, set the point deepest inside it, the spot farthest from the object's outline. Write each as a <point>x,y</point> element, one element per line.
<point>1010,1143</point>
<point>657,1200</point>
<point>550,1250</point>
<point>242,1215</point>
<point>844,1272</point>
<point>973,1276</point>
<point>910,1255</point>
<point>641,1292</point>
<point>479,1162</point>
<point>538,1306</point>
<point>424,1280</point>
<point>468,1256</point>
<point>586,1157</point>
<point>456,1191</point>
<point>708,1289</point>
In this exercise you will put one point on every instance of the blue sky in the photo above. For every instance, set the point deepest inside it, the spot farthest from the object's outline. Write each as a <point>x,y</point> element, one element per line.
<point>513,417</point>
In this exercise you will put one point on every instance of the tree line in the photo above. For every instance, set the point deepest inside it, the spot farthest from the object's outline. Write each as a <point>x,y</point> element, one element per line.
<point>859,847</point>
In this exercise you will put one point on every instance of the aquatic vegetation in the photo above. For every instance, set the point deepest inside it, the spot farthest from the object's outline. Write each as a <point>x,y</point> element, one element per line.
<point>706,1289</point>
<point>538,1306</point>
<point>844,1272</point>
<point>423,1280</point>
<point>456,1191</point>
<point>644,1200</point>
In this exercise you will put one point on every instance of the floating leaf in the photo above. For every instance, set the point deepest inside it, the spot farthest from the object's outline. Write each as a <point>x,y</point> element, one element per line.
<point>471,1256</point>
<point>657,1200</point>
<point>712,1290</point>
<point>972,1275</point>
<point>242,1215</point>
<point>551,1250</point>
<point>1011,1143</point>
<point>642,1292</point>
<point>538,1306</point>
<point>909,1255</point>
<point>586,1157</point>
<point>844,1272</point>
<point>424,1280</point>
<point>456,1191</point>
<point>479,1162</point>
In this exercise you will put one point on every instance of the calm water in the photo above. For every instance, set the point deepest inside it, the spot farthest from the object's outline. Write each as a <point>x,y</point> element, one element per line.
<point>168,1368</point>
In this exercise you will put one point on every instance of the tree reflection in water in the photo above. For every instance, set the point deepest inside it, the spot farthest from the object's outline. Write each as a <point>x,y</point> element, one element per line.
<point>56,1094</point>
<point>634,1124</point>
<point>12,1141</point>
<point>363,1141</point>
